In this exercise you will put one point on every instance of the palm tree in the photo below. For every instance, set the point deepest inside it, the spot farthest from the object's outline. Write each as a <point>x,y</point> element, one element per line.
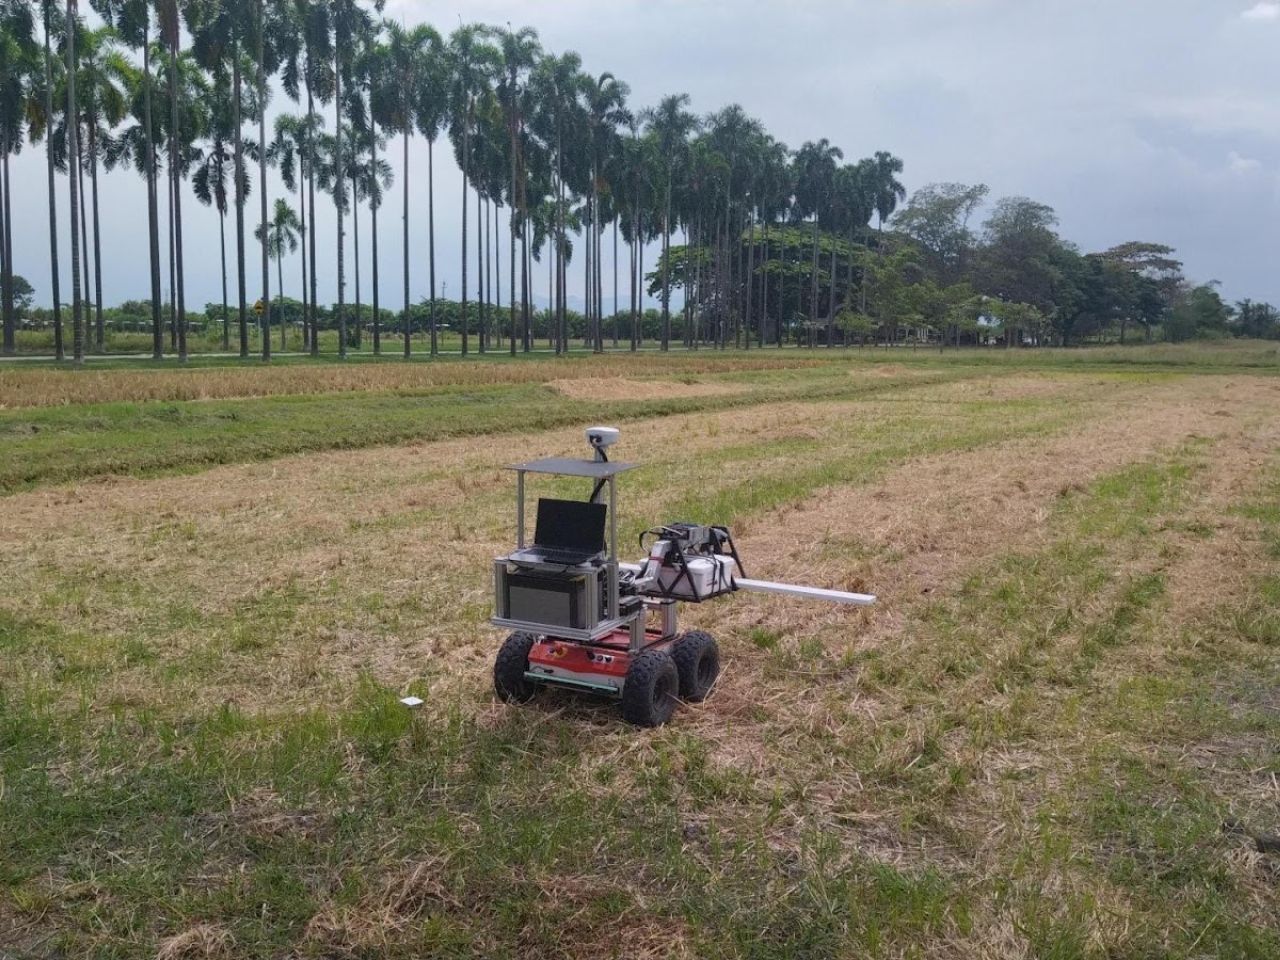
<point>17,55</point>
<point>373,70</point>
<point>312,36</point>
<point>262,71</point>
<point>49,11</point>
<point>888,191</point>
<point>210,183</point>
<point>171,33</point>
<point>351,24</point>
<point>392,102</point>
<point>104,78</point>
<point>606,102</point>
<point>559,85</point>
<point>430,93</point>
<point>281,236</point>
<point>132,20</point>
<point>816,170</point>
<point>222,36</point>
<point>291,152</point>
<point>672,125</point>
<point>773,196</point>
<point>520,51</point>
<point>73,154</point>
<point>471,62</point>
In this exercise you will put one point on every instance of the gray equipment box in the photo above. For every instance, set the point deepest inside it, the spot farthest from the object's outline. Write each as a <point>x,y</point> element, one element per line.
<point>553,601</point>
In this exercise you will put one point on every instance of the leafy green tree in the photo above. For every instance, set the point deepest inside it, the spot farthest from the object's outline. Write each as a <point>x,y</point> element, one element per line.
<point>937,218</point>
<point>1200,312</point>
<point>1258,320</point>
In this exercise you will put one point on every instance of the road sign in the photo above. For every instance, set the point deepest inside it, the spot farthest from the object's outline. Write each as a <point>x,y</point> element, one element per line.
<point>259,308</point>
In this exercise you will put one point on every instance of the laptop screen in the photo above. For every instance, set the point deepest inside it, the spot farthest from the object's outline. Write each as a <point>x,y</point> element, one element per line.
<point>570,525</point>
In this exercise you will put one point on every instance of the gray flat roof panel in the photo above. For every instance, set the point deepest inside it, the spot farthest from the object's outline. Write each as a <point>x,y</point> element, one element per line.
<point>568,467</point>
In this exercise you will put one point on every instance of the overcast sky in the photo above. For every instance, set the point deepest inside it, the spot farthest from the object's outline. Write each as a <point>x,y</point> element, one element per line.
<point>1136,119</point>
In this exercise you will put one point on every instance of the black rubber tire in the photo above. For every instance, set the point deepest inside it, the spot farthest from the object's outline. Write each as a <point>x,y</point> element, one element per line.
<point>697,658</point>
<point>509,680</point>
<point>649,695</point>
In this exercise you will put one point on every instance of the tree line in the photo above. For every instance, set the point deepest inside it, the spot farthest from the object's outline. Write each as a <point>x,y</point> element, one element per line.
<point>775,245</point>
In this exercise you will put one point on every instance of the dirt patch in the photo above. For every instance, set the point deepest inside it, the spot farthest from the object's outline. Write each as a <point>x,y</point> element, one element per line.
<point>614,388</point>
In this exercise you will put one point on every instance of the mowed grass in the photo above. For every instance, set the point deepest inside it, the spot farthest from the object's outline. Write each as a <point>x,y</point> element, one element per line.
<point>1063,746</point>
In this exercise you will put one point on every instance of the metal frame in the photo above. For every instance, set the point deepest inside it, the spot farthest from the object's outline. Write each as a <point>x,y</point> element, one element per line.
<point>610,619</point>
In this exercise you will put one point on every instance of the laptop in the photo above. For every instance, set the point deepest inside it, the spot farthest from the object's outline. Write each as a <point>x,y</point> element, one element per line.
<point>568,532</point>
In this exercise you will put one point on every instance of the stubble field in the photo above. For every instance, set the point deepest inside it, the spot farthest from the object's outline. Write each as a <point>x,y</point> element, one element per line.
<point>1055,736</point>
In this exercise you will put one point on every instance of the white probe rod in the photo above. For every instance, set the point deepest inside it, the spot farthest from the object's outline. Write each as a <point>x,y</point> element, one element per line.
<point>787,589</point>
<point>809,593</point>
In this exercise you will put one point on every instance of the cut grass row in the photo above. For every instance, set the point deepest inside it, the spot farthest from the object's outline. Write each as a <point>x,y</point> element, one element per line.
<point>120,381</point>
<point>55,444</point>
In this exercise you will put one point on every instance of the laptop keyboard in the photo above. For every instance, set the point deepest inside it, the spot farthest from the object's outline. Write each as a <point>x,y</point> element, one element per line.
<point>570,558</point>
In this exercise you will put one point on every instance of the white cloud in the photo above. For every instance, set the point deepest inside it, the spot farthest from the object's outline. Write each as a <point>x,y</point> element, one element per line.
<point>1241,165</point>
<point>1263,10</point>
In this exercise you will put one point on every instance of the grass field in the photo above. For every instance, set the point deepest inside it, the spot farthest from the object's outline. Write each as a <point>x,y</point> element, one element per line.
<point>1055,736</point>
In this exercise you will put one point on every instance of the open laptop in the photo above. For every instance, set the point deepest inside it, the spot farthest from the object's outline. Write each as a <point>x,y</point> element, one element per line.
<point>568,532</point>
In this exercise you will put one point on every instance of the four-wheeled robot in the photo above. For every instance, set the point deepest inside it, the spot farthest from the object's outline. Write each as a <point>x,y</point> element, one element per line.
<point>585,621</point>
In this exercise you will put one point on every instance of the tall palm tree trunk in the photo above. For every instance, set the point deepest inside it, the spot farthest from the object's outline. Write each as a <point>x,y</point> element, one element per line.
<point>302,238</point>
<point>511,229</point>
<point>750,279</point>
<point>466,163</point>
<point>406,319</point>
<point>314,316</point>
<point>355,240</point>
<point>373,227</point>
<point>73,158</point>
<point>6,276</point>
<point>173,270</point>
<point>616,214</point>
<point>153,194</point>
<point>85,259</point>
<point>222,249</point>
<point>262,183</point>
<point>666,261</point>
<point>99,326</point>
<point>764,289</point>
<point>176,175</point>
<point>526,320</point>
<point>339,205</point>
<point>640,319</point>
<point>280,291</point>
<point>431,241</point>
<point>831,300</point>
<point>239,176</point>
<point>481,305</point>
<point>813,302</point>
<point>54,280</point>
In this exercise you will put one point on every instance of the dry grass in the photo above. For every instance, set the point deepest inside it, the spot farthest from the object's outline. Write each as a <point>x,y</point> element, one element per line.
<point>38,388</point>
<point>201,942</point>
<point>596,389</point>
